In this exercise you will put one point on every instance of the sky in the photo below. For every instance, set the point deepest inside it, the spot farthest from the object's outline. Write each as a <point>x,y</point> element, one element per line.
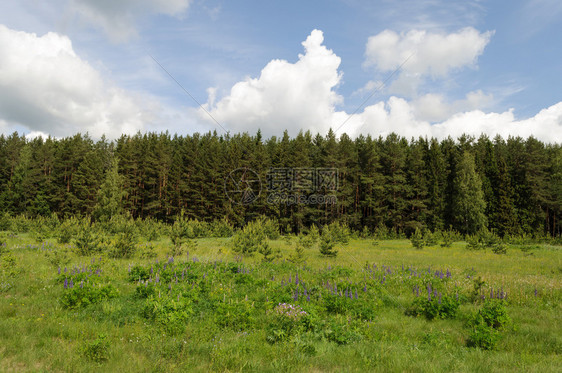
<point>414,67</point>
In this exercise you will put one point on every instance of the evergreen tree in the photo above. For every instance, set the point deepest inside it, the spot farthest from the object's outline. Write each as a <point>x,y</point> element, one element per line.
<point>469,205</point>
<point>110,195</point>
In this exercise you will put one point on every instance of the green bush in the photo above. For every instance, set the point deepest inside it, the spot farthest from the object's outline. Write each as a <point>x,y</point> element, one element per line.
<point>441,307</point>
<point>169,313</point>
<point>417,240</point>
<point>285,320</point>
<point>86,240</point>
<point>126,243</point>
<point>251,239</point>
<point>84,294</point>
<point>486,323</point>
<point>234,315</point>
<point>96,350</point>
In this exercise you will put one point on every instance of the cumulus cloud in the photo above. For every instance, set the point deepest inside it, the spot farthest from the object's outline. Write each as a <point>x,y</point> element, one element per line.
<point>117,17</point>
<point>435,107</point>
<point>47,88</point>
<point>285,95</point>
<point>302,95</point>
<point>427,54</point>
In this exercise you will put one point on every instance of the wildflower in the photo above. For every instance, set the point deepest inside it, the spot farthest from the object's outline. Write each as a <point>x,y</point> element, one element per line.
<point>356,294</point>
<point>65,283</point>
<point>59,270</point>
<point>365,288</point>
<point>535,291</point>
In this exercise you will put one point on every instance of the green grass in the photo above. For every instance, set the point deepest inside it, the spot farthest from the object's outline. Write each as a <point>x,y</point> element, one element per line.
<point>38,334</point>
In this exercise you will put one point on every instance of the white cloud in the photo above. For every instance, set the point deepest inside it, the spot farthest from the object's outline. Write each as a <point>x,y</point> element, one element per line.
<point>427,54</point>
<point>302,95</point>
<point>46,87</point>
<point>117,17</point>
<point>435,108</point>
<point>286,95</point>
<point>399,116</point>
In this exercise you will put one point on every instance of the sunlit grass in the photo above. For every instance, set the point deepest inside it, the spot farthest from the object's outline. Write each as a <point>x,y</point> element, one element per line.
<point>37,334</point>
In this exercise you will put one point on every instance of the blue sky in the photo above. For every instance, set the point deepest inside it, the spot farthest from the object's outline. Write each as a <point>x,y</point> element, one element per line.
<point>70,66</point>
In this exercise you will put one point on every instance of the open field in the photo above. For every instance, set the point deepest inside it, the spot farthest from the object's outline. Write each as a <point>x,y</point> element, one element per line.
<point>213,311</point>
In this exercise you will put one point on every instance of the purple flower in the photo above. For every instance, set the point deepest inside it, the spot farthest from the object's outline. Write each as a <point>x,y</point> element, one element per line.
<point>365,288</point>
<point>535,291</point>
<point>59,270</point>
<point>65,283</point>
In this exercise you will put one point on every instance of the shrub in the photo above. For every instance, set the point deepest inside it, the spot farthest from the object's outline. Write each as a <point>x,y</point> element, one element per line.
<point>340,333</point>
<point>168,313</point>
<point>417,240</point>
<point>238,315</point>
<point>86,241</point>
<point>67,229</point>
<point>327,243</point>
<point>96,350</point>
<point>447,238</point>
<point>340,232</point>
<point>82,295</point>
<point>251,239</point>
<point>146,251</point>
<point>485,324</point>
<point>442,307</point>
<point>58,257</point>
<point>285,321</point>
<point>499,248</point>
<point>126,243</point>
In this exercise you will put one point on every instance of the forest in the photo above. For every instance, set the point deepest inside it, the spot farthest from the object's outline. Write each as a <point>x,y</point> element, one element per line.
<point>505,185</point>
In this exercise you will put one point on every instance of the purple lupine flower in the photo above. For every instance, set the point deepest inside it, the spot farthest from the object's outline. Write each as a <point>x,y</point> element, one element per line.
<point>165,265</point>
<point>365,288</point>
<point>296,296</point>
<point>356,297</point>
<point>383,280</point>
<point>82,284</point>
<point>71,284</point>
<point>170,286</point>
<point>308,297</point>
<point>346,293</point>
<point>417,291</point>
<point>448,273</point>
<point>535,291</point>
<point>66,283</point>
<point>171,260</point>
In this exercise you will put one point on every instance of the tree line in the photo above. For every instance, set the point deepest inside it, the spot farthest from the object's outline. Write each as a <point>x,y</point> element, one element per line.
<point>509,186</point>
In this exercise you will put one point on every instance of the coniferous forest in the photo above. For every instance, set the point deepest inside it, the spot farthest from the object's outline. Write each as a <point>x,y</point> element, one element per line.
<point>511,185</point>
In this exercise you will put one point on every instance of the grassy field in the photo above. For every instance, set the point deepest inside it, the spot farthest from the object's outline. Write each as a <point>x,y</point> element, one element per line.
<point>213,311</point>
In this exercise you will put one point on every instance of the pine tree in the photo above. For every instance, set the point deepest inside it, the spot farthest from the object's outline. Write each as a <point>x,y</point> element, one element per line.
<point>468,206</point>
<point>110,195</point>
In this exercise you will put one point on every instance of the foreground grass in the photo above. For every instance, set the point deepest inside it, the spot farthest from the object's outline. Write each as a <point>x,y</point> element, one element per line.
<point>38,334</point>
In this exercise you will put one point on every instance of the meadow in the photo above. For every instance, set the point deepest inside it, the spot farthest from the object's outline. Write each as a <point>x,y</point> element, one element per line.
<point>379,305</point>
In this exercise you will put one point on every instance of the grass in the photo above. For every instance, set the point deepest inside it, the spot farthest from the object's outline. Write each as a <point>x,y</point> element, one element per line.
<point>38,334</point>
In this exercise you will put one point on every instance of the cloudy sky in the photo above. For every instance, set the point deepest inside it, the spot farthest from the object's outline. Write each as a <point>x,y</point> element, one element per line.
<point>414,67</point>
